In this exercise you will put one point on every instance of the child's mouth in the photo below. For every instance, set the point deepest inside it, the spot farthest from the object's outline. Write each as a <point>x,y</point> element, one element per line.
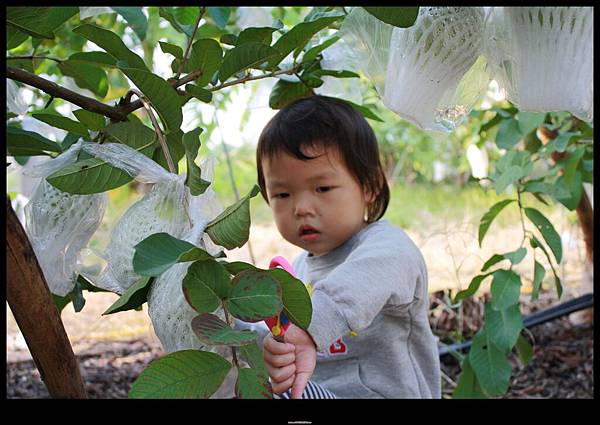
<point>309,234</point>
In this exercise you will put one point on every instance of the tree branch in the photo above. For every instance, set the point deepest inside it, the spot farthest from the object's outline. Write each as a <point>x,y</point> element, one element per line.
<point>190,41</point>
<point>55,90</point>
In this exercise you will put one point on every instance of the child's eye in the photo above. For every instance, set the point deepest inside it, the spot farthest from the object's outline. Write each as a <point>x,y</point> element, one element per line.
<point>322,189</point>
<point>281,195</point>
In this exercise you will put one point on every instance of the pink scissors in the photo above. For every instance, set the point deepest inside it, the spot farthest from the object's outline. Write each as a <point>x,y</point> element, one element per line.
<point>280,323</point>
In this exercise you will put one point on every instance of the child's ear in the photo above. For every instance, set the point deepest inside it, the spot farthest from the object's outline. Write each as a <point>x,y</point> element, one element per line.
<point>370,196</point>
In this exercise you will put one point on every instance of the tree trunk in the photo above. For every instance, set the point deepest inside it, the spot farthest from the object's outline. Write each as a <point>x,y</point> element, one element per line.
<point>31,303</point>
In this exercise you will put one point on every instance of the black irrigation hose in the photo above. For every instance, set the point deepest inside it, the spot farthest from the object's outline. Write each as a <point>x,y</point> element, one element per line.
<point>537,318</point>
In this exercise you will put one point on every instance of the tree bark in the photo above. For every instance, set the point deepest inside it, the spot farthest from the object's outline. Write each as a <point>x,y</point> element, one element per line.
<point>31,303</point>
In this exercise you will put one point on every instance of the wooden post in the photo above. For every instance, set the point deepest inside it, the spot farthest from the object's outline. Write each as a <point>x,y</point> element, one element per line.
<point>39,320</point>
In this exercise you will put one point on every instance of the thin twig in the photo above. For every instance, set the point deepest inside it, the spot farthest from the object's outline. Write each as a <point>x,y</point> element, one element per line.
<point>161,136</point>
<point>255,77</point>
<point>33,57</point>
<point>190,41</point>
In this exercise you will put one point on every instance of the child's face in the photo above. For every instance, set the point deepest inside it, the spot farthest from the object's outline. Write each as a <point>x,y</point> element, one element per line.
<point>317,204</point>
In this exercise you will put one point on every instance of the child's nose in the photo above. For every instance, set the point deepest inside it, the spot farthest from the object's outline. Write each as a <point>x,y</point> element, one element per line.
<point>304,207</point>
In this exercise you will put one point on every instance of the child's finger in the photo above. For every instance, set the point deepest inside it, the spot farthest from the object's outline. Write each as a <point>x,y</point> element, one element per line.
<point>277,347</point>
<point>279,360</point>
<point>281,374</point>
<point>299,384</point>
<point>281,387</point>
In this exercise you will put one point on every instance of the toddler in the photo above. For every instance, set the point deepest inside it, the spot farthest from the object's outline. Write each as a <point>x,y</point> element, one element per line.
<point>319,171</point>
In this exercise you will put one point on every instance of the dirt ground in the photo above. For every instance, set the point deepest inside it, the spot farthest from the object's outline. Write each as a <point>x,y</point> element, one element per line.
<point>120,345</point>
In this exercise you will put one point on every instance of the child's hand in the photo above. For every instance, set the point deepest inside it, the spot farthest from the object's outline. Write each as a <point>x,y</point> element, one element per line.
<point>290,364</point>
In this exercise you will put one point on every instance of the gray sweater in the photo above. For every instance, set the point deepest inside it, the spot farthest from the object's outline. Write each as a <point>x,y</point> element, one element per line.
<point>370,324</point>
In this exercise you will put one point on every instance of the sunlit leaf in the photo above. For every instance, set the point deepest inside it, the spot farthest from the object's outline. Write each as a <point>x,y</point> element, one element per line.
<point>182,374</point>
<point>205,285</point>
<point>547,230</point>
<point>489,216</point>
<point>231,228</point>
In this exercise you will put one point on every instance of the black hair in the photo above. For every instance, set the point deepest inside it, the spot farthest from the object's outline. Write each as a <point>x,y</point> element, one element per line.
<point>325,122</point>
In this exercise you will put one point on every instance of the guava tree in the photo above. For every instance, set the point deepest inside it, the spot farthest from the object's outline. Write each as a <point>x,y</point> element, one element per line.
<point>129,104</point>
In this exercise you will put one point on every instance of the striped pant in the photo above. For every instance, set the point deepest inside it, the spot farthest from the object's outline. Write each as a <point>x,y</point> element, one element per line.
<point>312,391</point>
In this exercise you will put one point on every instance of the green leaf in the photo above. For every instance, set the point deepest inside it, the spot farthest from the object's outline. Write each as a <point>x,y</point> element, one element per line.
<point>494,259</point>
<point>254,296</point>
<point>506,288</point>
<point>300,34</point>
<point>529,121</point>
<point>312,53</point>
<point>39,22</point>
<point>503,326</point>
<point>182,374</point>
<point>231,228</point>
<point>263,35</point>
<point>535,243</point>
<point>135,18</point>
<point>524,350</point>
<point>168,14</point>
<point>63,123</point>
<point>251,384</point>
<point>538,277</point>
<point>570,191</point>
<point>194,181</point>
<point>112,44</point>
<point>490,365</point>
<point>473,287</point>
<point>402,17</point>
<point>489,216</point>
<point>205,285</point>
<point>511,175</point>
<point>93,58</point>
<point>94,175</point>
<point>547,230</point>
<point>14,38</point>
<point>515,257</point>
<point>297,305</point>
<point>253,354</point>
<point>158,252</point>
<point>366,112</point>
<point>220,15</point>
<point>206,56</point>
<point>199,93</point>
<point>285,92</point>
<point>554,190</point>
<point>245,56</point>
<point>509,134</point>
<point>161,94</point>
<point>91,120</point>
<point>133,297</point>
<point>171,49</point>
<point>211,330</point>
<point>467,386</point>
<point>27,143</point>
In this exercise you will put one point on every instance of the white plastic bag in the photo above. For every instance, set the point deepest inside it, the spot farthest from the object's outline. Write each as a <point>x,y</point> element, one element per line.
<point>543,57</point>
<point>163,209</point>
<point>60,224</point>
<point>431,73</point>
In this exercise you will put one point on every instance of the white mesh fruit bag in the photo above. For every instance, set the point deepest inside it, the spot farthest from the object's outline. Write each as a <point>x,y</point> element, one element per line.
<point>431,73</point>
<point>543,57</point>
<point>163,209</point>
<point>60,224</point>
<point>170,313</point>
